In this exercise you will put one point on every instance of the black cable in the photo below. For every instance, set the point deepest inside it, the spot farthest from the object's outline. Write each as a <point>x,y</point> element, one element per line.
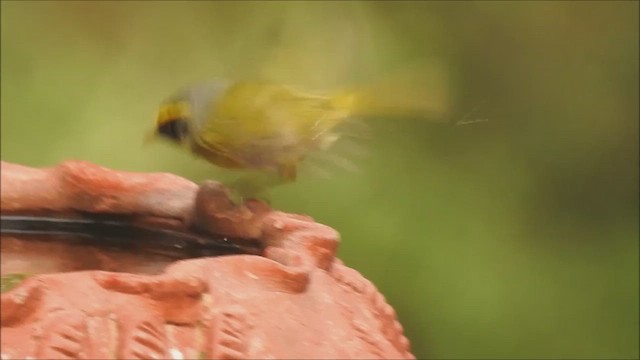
<point>122,234</point>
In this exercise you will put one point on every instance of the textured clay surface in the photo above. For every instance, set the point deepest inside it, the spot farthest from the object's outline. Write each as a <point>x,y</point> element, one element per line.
<point>296,301</point>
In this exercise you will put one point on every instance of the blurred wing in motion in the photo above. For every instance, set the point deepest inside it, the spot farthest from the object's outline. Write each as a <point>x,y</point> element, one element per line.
<point>419,91</point>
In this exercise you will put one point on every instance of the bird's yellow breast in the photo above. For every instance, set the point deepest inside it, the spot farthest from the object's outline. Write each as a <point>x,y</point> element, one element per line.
<point>262,124</point>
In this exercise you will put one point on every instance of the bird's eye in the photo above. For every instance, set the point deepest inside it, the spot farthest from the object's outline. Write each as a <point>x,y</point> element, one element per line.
<point>175,129</point>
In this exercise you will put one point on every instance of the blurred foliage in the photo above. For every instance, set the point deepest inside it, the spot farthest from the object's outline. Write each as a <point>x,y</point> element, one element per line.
<point>511,238</point>
<point>10,281</point>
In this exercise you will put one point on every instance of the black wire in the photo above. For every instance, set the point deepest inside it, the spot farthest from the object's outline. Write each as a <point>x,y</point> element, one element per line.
<point>123,234</point>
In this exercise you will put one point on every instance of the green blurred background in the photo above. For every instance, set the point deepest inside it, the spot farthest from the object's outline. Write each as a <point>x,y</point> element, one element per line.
<point>511,238</point>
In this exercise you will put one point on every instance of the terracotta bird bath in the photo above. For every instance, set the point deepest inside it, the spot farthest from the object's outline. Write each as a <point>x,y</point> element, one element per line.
<point>104,264</point>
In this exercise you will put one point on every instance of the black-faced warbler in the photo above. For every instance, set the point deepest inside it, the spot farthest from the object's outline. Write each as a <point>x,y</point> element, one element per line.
<point>267,126</point>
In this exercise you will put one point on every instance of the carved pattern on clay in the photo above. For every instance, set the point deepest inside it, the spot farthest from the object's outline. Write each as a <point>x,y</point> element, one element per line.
<point>365,335</point>
<point>129,316</point>
<point>228,334</point>
<point>311,245</point>
<point>146,340</point>
<point>389,325</point>
<point>20,304</point>
<point>65,336</point>
<point>142,334</point>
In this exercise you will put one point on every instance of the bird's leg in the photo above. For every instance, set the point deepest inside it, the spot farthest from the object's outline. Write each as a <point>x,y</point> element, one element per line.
<point>288,172</point>
<point>253,186</point>
<point>248,188</point>
<point>256,185</point>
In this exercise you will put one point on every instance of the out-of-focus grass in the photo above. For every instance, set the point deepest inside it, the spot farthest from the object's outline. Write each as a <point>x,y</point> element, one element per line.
<point>512,238</point>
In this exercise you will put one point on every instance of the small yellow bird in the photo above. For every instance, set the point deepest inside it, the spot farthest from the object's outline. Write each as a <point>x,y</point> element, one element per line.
<point>264,126</point>
<point>251,125</point>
